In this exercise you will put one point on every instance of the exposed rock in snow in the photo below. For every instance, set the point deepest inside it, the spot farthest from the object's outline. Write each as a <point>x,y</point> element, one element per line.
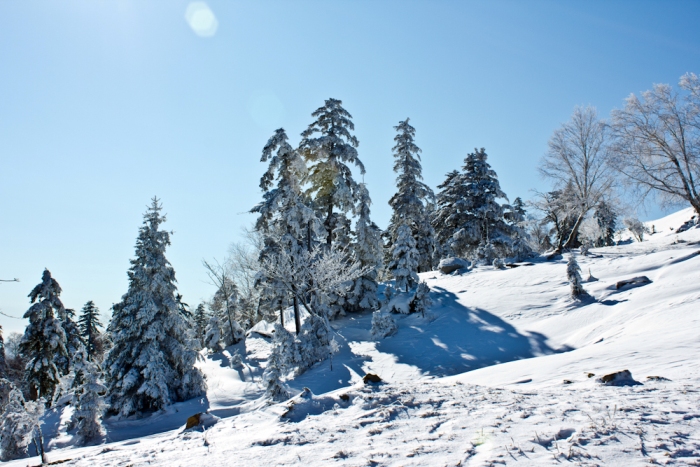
<point>450,265</point>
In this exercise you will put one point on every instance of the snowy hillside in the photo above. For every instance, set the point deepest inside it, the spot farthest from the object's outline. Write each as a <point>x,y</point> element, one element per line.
<point>502,370</point>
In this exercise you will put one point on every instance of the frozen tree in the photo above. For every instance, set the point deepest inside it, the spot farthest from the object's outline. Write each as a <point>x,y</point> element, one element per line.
<point>636,228</point>
<point>200,322</point>
<point>151,363</point>
<point>74,339</point>
<point>404,262</point>
<point>287,224</point>
<point>573,274</point>
<point>606,219</point>
<point>367,250</point>
<point>383,325</point>
<point>328,146</point>
<point>421,300</point>
<point>44,341</point>
<point>213,335</point>
<point>89,323</point>
<point>578,157</point>
<point>412,195</point>
<point>225,300</point>
<point>3,358</point>
<point>468,215</point>
<point>560,211</point>
<point>88,399</point>
<point>275,389</point>
<point>20,426</point>
<point>657,141</point>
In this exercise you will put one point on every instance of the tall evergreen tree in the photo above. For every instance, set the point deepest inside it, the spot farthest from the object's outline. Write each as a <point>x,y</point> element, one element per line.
<point>151,363</point>
<point>475,219</point>
<point>367,250</point>
<point>44,341</point>
<point>333,189</point>
<point>404,263</point>
<point>412,195</point>
<point>3,359</point>
<point>285,221</point>
<point>74,339</point>
<point>200,321</point>
<point>89,323</point>
<point>607,221</point>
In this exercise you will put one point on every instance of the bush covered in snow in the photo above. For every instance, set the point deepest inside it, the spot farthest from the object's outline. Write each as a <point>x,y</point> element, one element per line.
<point>383,325</point>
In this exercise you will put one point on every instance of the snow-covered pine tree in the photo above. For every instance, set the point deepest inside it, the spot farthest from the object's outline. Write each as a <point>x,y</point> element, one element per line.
<point>573,274</point>
<point>19,425</point>
<point>88,399</point>
<point>412,195</point>
<point>151,363</point>
<point>404,262</point>
<point>200,323</point>
<point>89,324</point>
<point>333,189</point>
<point>3,359</point>
<point>277,363</point>
<point>74,339</point>
<point>44,341</point>
<point>475,215</point>
<point>213,334</point>
<point>367,250</point>
<point>287,224</point>
<point>383,325</point>
<point>421,300</point>
<point>607,221</point>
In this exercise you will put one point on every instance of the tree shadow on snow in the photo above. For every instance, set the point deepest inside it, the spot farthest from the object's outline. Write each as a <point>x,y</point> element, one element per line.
<point>460,339</point>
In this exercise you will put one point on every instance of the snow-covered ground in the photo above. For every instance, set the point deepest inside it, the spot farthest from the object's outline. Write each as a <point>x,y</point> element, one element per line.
<point>502,370</point>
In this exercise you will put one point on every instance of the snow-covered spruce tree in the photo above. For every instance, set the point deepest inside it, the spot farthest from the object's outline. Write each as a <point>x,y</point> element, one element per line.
<point>367,250</point>
<point>213,334</point>
<point>404,259</point>
<point>200,323</point>
<point>283,350</point>
<point>89,324</point>
<point>19,426</point>
<point>412,195</point>
<point>74,339</point>
<point>332,187</point>
<point>573,274</point>
<point>607,221</point>
<point>468,214</point>
<point>88,399</point>
<point>421,300</point>
<point>287,223</point>
<point>383,325</point>
<point>151,363</point>
<point>44,341</point>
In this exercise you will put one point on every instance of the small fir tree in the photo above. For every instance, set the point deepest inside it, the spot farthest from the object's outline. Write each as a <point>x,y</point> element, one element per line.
<point>383,325</point>
<point>88,399</point>
<point>275,389</point>
<point>151,363</point>
<point>20,426</point>
<point>213,336</point>
<point>404,263</point>
<point>89,324</point>
<point>200,321</point>
<point>573,273</point>
<point>421,299</point>
<point>44,341</point>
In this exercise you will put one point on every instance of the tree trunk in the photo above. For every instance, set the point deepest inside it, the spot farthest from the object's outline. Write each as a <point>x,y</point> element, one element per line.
<point>297,318</point>
<point>329,221</point>
<point>574,231</point>
<point>282,317</point>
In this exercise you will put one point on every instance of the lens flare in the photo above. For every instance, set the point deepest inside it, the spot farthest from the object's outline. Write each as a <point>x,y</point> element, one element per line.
<point>201,19</point>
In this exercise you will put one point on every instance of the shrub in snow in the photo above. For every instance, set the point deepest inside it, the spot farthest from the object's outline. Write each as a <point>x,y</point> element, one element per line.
<point>44,341</point>
<point>389,292</point>
<point>383,325</point>
<point>400,303</point>
<point>573,273</point>
<point>277,365</point>
<point>151,364</point>
<point>498,263</point>
<point>313,341</point>
<point>20,426</point>
<point>421,299</point>
<point>636,228</point>
<point>236,360</point>
<point>88,400</point>
<point>234,334</point>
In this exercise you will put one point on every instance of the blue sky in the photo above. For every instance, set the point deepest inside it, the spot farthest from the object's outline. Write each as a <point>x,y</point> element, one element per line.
<point>104,104</point>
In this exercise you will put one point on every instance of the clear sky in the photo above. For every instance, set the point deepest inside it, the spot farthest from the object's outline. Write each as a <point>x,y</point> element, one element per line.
<point>104,104</point>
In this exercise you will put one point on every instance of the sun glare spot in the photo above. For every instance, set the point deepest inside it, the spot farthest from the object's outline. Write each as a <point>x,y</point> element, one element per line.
<point>201,19</point>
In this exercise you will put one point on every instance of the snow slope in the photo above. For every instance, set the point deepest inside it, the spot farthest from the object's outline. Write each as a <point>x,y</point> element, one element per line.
<point>501,371</point>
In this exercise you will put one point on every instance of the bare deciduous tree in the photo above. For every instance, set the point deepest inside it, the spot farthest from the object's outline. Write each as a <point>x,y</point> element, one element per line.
<point>578,155</point>
<point>657,142</point>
